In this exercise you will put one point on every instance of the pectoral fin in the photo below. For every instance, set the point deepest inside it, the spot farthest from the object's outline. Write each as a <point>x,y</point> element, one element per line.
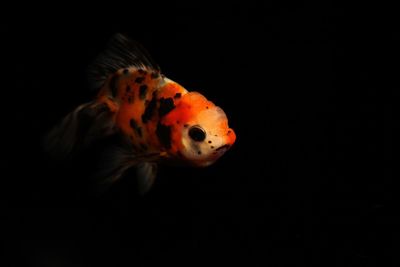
<point>116,160</point>
<point>146,175</point>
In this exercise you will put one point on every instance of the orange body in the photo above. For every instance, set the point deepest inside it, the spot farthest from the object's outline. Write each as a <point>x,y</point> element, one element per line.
<point>150,110</point>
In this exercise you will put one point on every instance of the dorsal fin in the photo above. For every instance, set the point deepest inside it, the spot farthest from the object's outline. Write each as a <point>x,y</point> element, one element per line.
<point>121,52</point>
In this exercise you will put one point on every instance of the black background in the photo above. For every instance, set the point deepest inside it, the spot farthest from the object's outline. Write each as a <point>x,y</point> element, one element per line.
<point>310,88</point>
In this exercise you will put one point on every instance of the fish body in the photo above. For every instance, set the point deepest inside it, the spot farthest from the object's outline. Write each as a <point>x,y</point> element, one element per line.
<point>157,118</point>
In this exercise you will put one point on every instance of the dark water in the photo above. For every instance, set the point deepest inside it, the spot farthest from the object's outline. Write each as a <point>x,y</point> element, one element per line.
<point>311,91</point>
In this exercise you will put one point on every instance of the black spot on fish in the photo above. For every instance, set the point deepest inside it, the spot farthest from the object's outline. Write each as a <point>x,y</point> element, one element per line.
<point>133,124</point>
<point>141,71</point>
<point>166,105</point>
<point>199,152</point>
<point>128,88</point>
<point>229,131</point>
<point>186,125</point>
<point>113,85</point>
<point>177,95</point>
<point>143,91</point>
<point>164,135</point>
<point>212,147</point>
<point>155,75</point>
<point>207,107</point>
<point>139,79</point>
<point>209,142</point>
<point>139,131</point>
<point>150,109</point>
<point>126,71</point>
<point>135,127</point>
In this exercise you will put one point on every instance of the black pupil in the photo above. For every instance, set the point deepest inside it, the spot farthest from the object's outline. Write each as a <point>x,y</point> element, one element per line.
<point>197,134</point>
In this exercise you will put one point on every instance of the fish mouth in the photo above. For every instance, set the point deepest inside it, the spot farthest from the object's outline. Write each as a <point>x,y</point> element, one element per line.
<point>223,147</point>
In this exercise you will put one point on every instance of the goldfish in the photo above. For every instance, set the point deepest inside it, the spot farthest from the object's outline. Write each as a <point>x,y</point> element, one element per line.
<point>156,119</point>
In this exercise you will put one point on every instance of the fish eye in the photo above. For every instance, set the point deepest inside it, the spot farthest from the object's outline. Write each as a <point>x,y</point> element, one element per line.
<point>197,133</point>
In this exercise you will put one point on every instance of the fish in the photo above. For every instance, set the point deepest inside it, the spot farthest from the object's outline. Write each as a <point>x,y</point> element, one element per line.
<point>155,118</point>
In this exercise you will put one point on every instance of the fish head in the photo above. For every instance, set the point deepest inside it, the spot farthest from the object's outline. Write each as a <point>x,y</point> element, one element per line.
<point>201,134</point>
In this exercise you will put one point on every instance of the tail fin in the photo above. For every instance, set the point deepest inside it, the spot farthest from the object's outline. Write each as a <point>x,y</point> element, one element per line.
<point>81,127</point>
<point>88,132</point>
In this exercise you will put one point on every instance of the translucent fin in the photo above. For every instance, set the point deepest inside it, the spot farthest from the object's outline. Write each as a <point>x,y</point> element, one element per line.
<point>81,127</point>
<point>120,53</point>
<point>146,174</point>
<point>112,164</point>
<point>116,159</point>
